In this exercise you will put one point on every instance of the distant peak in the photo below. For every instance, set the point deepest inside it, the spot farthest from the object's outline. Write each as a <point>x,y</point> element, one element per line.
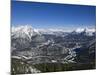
<point>85,30</point>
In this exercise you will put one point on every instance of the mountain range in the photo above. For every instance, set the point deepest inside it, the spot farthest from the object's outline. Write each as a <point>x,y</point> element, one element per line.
<point>49,45</point>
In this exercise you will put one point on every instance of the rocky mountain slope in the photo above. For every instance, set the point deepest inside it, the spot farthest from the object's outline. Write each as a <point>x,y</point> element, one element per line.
<point>35,46</point>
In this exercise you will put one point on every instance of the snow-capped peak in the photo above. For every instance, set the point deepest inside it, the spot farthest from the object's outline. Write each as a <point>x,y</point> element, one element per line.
<point>23,31</point>
<point>80,30</point>
<point>85,29</point>
<point>88,31</point>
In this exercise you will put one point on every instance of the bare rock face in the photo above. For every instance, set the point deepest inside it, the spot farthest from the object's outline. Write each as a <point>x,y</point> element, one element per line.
<point>23,36</point>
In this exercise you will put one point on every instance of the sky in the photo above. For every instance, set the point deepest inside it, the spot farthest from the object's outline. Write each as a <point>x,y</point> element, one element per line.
<point>51,15</point>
